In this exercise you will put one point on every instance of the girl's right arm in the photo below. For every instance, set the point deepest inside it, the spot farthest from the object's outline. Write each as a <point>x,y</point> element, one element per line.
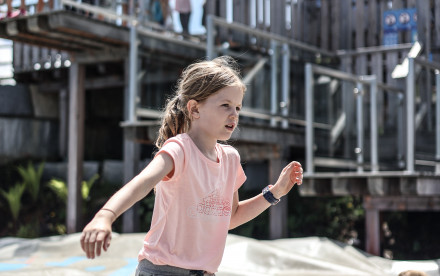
<point>97,233</point>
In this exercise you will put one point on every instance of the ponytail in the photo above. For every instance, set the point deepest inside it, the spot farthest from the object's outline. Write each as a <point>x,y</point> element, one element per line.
<point>174,121</point>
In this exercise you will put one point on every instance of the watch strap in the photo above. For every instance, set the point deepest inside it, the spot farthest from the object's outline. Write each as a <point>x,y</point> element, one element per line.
<point>267,194</point>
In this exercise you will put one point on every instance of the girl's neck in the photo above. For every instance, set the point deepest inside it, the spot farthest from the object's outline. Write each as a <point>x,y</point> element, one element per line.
<point>206,146</point>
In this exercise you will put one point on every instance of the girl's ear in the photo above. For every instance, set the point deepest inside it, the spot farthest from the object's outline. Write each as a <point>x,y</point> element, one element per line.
<point>193,109</point>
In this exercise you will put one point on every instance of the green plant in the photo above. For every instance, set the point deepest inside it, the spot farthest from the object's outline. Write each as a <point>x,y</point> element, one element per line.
<point>13,197</point>
<point>28,230</point>
<point>86,186</point>
<point>32,178</point>
<point>60,187</point>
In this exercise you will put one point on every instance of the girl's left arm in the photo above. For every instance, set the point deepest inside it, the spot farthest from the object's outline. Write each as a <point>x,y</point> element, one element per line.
<point>246,210</point>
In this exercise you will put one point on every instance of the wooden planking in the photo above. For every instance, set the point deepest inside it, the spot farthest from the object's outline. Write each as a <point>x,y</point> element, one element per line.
<point>437,24</point>
<point>373,22</point>
<point>277,12</point>
<point>240,15</point>
<point>345,27</point>
<point>380,185</point>
<point>359,24</point>
<point>325,25</point>
<point>297,20</point>
<point>332,25</point>
<point>399,203</point>
<point>335,28</point>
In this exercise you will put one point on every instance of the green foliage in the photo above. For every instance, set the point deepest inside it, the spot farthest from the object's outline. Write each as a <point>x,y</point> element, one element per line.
<point>86,186</point>
<point>59,187</point>
<point>28,230</point>
<point>333,217</point>
<point>13,197</point>
<point>32,178</point>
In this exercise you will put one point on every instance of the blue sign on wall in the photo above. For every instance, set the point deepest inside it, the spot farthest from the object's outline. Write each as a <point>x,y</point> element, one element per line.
<point>395,21</point>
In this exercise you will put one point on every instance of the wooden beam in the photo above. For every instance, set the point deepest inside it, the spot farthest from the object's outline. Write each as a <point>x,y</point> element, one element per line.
<point>63,124</point>
<point>131,158</point>
<point>75,146</point>
<point>372,225</point>
<point>278,214</point>
<point>402,203</point>
<point>131,163</point>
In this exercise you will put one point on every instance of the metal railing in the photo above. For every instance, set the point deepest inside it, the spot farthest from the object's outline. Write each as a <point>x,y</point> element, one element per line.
<point>359,82</point>
<point>415,109</point>
<point>413,120</point>
<point>6,68</point>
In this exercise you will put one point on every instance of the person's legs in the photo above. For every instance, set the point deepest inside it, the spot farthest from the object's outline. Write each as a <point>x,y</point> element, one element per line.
<point>40,5</point>
<point>9,5</point>
<point>184,20</point>
<point>10,12</point>
<point>22,7</point>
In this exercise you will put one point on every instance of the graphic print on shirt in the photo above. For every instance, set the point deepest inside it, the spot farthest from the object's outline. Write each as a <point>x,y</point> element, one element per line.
<point>212,206</point>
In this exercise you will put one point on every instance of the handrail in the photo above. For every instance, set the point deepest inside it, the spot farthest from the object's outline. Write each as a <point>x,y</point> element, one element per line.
<point>371,81</point>
<point>245,111</point>
<point>351,77</point>
<point>214,20</point>
<point>374,49</point>
<point>430,64</point>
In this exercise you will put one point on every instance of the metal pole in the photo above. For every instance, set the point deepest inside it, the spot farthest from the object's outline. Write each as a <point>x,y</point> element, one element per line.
<point>437,114</point>
<point>285,74</point>
<point>373,124</point>
<point>410,130</point>
<point>274,81</point>
<point>132,85</point>
<point>360,127</point>
<point>210,51</point>
<point>309,118</point>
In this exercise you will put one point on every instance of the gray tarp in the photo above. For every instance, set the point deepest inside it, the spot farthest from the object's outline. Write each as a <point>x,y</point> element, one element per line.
<point>62,255</point>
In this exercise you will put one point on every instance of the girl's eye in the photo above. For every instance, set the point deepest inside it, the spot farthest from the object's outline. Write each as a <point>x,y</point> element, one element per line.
<point>238,108</point>
<point>225,105</point>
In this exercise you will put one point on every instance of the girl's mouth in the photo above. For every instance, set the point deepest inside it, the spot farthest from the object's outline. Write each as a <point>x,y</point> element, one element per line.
<point>230,126</point>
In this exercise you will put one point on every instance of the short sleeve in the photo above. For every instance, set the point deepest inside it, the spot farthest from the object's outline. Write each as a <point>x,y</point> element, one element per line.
<point>176,151</point>
<point>241,177</point>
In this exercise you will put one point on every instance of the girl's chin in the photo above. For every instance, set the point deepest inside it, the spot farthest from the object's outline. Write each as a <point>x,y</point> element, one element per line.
<point>226,137</point>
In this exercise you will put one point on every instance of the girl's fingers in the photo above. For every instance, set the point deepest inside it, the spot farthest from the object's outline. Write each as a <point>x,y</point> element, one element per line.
<point>107,241</point>
<point>82,241</point>
<point>296,173</point>
<point>100,242</point>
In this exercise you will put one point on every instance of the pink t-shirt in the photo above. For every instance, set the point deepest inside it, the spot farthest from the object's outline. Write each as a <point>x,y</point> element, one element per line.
<point>192,210</point>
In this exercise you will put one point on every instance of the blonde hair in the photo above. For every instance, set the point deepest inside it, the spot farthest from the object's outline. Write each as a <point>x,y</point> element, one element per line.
<point>198,81</point>
<point>412,273</point>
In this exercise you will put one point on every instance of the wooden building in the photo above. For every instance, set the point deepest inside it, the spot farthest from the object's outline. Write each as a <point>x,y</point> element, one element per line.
<point>319,84</point>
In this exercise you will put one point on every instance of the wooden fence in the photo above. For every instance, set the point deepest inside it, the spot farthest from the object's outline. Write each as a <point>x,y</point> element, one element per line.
<point>330,24</point>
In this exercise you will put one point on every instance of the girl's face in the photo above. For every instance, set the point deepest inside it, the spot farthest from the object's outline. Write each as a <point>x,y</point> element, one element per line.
<point>217,116</point>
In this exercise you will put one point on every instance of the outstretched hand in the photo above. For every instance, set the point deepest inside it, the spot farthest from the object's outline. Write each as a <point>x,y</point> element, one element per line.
<point>96,235</point>
<point>291,174</point>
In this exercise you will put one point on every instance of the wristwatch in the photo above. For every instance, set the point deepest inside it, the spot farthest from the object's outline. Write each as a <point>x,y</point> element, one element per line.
<point>269,196</point>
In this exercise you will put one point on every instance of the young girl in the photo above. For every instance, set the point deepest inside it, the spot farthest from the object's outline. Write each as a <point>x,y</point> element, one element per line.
<point>196,179</point>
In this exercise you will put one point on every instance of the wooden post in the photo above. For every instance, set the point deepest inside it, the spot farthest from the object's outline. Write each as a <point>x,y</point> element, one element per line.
<point>372,227</point>
<point>131,162</point>
<point>278,213</point>
<point>131,153</point>
<point>63,113</point>
<point>75,146</point>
